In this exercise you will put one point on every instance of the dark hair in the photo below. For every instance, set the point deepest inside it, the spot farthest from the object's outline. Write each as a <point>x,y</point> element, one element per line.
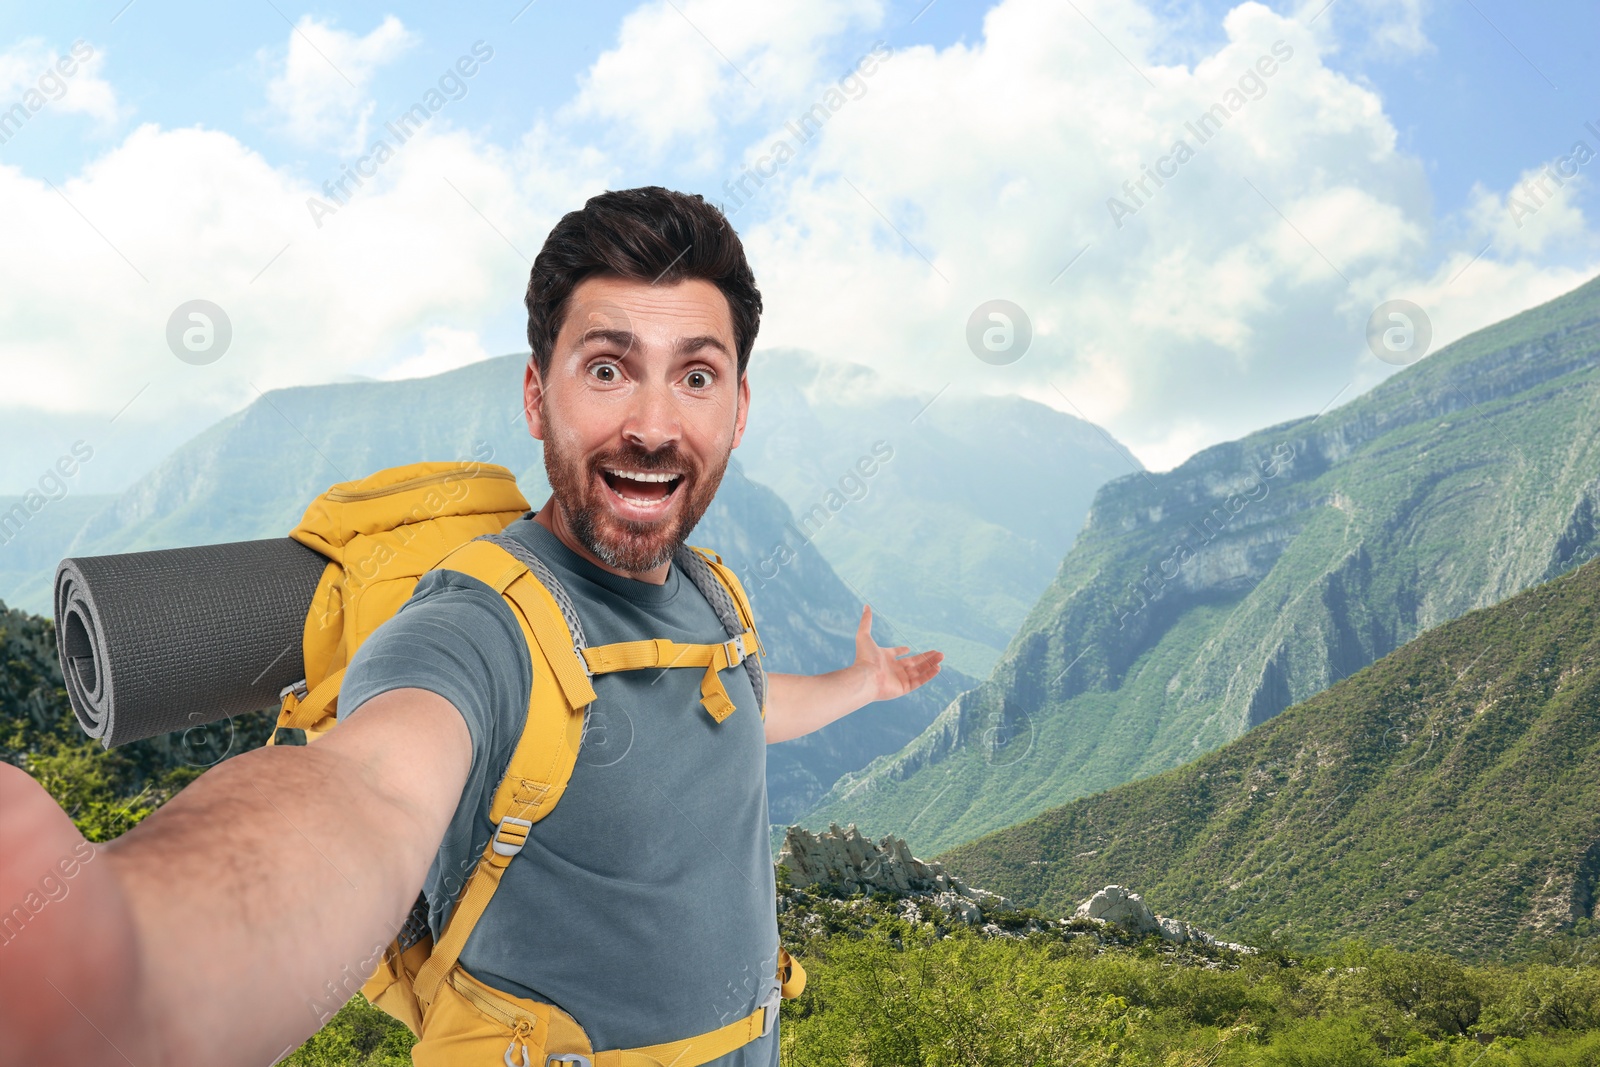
<point>650,234</point>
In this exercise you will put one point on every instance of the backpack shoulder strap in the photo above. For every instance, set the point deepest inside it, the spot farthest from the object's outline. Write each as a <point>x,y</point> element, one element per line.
<point>547,578</point>
<point>719,585</point>
<point>542,762</point>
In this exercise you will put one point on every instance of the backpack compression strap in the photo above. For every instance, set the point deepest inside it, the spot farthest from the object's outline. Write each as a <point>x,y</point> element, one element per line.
<point>723,592</point>
<point>660,652</point>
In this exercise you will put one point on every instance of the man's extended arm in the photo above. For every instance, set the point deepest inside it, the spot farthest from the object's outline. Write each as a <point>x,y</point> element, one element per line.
<point>800,703</point>
<point>209,934</point>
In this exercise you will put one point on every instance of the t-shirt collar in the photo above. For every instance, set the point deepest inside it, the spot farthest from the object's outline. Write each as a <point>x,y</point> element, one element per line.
<point>553,551</point>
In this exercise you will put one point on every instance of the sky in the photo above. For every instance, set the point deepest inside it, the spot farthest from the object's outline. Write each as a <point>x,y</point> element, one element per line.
<point>894,169</point>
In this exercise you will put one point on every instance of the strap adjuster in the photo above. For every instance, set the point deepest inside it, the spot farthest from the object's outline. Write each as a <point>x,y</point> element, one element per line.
<point>297,688</point>
<point>769,1007</point>
<point>510,835</point>
<point>733,649</point>
<point>568,1057</point>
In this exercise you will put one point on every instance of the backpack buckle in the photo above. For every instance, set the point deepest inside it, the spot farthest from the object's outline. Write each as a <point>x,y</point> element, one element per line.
<point>769,1006</point>
<point>568,1057</point>
<point>510,835</point>
<point>733,649</point>
<point>297,688</point>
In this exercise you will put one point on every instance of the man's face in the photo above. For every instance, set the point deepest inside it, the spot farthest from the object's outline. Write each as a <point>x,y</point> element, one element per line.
<point>643,381</point>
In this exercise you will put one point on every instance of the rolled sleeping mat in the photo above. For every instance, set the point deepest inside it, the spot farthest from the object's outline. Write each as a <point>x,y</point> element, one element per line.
<point>153,642</point>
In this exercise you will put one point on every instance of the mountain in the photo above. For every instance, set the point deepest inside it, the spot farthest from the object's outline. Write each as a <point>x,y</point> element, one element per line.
<point>1441,798</point>
<point>807,618</point>
<point>915,502</point>
<point>949,533</point>
<point>1200,602</point>
<point>251,475</point>
<point>32,540</point>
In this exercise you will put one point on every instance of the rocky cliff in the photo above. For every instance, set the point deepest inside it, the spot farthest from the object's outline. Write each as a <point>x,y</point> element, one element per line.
<point>1202,601</point>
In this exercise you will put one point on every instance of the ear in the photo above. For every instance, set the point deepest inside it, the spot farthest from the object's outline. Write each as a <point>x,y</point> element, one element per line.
<point>744,409</point>
<point>532,390</point>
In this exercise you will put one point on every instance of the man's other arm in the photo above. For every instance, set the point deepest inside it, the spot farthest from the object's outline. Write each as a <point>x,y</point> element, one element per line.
<point>797,704</point>
<point>207,935</point>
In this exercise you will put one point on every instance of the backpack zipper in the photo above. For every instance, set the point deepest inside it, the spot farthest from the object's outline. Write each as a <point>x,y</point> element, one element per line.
<point>344,496</point>
<point>502,1013</point>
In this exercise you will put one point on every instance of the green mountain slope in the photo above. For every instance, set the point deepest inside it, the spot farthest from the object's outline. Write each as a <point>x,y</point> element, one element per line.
<point>1441,798</point>
<point>1199,602</point>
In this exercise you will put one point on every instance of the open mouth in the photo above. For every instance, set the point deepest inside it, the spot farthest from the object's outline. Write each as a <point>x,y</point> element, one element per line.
<point>642,492</point>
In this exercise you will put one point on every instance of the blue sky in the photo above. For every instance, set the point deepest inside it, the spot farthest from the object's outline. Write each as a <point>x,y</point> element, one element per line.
<point>1476,106</point>
<point>979,160</point>
<point>187,63</point>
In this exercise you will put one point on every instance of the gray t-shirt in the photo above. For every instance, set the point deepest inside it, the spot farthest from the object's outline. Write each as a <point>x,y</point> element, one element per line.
<point>643,904</point>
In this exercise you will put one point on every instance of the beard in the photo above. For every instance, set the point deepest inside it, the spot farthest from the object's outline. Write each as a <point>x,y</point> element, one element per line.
<point>628,545</point>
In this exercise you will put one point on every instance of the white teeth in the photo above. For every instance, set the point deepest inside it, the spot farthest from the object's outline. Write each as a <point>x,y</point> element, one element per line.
<point>644,476</point>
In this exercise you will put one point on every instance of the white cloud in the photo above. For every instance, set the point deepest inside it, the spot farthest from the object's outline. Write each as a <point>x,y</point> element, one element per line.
<point>1397,25</point>
<point>197,215</point>
<point>64,80</point>
<point>1234,296</point>
<point>683,69</point>
<point>444,348</point>
<point>1540,209</point>
<point>1386,29</point>
<point>321,91</point>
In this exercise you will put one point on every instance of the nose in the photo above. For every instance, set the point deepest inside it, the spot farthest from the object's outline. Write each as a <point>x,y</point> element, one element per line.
<point>653,420</point>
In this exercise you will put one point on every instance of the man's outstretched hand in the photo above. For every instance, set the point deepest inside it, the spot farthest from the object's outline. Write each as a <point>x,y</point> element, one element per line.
<point>891,676</point>
<point>800,703</point>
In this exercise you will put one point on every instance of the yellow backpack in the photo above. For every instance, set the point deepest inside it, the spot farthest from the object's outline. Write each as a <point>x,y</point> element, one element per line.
<point>380,535</point>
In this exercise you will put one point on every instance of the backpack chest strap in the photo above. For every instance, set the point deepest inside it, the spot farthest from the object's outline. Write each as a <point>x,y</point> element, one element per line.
<point>661,652</point>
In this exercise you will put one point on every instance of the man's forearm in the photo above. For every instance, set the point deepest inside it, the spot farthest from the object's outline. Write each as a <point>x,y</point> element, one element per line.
<point>245,903</point>
<point>229,925</point>
<point>797,704</point>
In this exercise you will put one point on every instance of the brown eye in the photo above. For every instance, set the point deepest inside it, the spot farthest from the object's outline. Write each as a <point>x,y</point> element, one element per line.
<point>601,366</point>
<point>699,374</point>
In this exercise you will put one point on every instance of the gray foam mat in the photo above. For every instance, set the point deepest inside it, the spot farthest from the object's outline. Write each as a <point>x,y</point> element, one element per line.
<point>153,642</point>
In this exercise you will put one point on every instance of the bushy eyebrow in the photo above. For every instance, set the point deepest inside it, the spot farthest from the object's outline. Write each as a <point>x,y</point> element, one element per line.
<point>606,335</point>
<point>625,340</point>
<point>690,345</point>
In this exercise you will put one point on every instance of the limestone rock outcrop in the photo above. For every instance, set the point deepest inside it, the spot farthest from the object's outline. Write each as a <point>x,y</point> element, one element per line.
<point>1120,905</point>
<point>1116,904</point>
<point>854,863</point>
<point>843,862</point>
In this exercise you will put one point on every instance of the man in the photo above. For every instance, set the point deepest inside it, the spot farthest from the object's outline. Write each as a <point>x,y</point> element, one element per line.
<point>643,904</point>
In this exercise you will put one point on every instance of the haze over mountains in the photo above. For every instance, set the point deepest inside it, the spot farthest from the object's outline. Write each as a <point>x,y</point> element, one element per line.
<point>910,540</point>
<point>1200,602</point>
<point>956,534</point>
